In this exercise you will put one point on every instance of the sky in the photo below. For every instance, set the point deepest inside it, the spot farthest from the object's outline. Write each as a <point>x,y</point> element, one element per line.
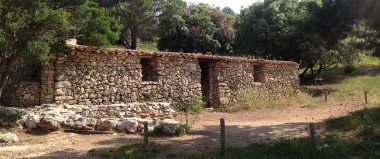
<point>234,4</point>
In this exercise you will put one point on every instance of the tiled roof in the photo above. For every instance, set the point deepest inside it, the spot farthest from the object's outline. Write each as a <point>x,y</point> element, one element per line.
<point>127,52</point>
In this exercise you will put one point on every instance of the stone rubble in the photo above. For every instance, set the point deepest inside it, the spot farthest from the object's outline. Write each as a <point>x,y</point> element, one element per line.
<point>121,117</point>
<point>8,138</point>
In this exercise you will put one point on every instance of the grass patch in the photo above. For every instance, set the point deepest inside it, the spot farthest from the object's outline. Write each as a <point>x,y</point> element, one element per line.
<point>355,87</point>
<point>132,151</point>
<point>363,141</point>
<point>253,99</point>
<point>330,147</point>
<point>364,124</point>
<point>148,46</point>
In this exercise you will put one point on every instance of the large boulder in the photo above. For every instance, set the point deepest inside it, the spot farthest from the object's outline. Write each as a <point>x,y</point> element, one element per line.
<point>8,138</point>
<point>32,121</point>
<point>130,125</point>
<point>169,126</point>
<point>48,124</point>
<point>107,125</point>
<point>83,123</point>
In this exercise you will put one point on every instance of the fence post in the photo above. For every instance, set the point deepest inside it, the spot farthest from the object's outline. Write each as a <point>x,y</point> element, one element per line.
<point>366,97</point>
<point>325,96</point>
<point>312,136</point>
<point>146,142</point>
<point>222,135</point>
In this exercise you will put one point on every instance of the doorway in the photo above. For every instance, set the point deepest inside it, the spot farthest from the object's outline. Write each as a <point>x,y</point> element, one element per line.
<point>205,82</point>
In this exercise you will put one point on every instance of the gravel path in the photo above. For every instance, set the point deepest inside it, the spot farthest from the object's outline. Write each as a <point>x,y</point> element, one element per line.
<point>241,128</point>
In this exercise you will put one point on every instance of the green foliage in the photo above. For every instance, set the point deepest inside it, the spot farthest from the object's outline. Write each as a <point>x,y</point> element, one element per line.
<point>195,28</point>
<point>138,19</point>
<point>95,25</point>
<point>349,69</point>
<point>148,46</point>
<point>317,34</point>
<point>37,30</point>
<point>6,116</point>
<point>183,129</point>
<point>196,105</point>
<point>133,150</point>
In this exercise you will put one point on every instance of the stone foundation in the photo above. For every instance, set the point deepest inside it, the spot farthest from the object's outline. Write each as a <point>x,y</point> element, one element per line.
<point>129,117</point>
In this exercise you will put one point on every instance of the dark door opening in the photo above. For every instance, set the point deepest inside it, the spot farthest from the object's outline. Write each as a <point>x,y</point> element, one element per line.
<point>205,82</point>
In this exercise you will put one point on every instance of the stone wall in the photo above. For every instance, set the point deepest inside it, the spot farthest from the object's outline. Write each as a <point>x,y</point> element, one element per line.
<point>100,79</point>
<point>95,76</point>
<point>22,94</point>
<point>272,81</point>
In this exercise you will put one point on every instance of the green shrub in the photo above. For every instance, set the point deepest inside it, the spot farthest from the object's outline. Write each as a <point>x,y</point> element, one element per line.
<point>349,69</point>
<point>6,115</point>
<point>183,129</point>
<point>194,106</point>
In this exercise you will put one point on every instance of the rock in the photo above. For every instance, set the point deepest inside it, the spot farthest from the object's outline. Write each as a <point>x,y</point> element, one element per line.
<point>85,123</point>
<point>107,125</point>
<point>48,124</point>
<point>129,125</point>
<point>9,111</point>
<point>63,84</point>
<point>9,138</point>
<point>77,109</point>
<point>169,126</point>
<point>32,121</point>
<point>26,96</point>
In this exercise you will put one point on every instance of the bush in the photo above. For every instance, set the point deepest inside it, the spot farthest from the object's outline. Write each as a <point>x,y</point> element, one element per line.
<point>194,106</point>
<point>349,69</point>
<point>183,129</point>
<point>9,114</point>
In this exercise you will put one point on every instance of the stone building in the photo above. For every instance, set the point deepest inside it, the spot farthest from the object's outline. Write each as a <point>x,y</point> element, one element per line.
<point>98,76</point>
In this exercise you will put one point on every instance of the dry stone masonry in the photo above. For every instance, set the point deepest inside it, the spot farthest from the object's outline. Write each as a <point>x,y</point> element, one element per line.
<point>121,117</point>
<point>93,78</point>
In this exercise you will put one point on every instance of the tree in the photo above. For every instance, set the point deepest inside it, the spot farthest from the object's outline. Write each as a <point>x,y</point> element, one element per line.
<point>304,32</point>
<point>35,29</point>
<point>229,11</point>
<point>270,30</point>
<point>138,18</point>
<point>195,28</point>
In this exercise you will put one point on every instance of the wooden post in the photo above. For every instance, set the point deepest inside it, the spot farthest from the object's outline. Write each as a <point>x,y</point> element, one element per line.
<point>222,135</point>
<point>146,142</point>
<point>312,135</point>
<point>325,96</point>
<point>366,97</point>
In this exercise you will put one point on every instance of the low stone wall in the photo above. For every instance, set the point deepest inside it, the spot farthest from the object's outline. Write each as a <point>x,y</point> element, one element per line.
<point>23,94</point>
<point>99,118</point>
<point>159,111</point>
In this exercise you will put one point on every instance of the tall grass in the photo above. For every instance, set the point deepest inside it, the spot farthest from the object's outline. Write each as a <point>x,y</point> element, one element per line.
<point>354,88</point>
<point>250,98</point>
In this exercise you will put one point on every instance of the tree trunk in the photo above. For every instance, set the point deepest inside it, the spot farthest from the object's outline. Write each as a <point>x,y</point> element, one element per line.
<point>134,38</point>
<point>6,66</point>
<point>320,69</point>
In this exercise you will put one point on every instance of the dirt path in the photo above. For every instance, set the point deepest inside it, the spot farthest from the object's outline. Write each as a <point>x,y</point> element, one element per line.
<point>241,128</point>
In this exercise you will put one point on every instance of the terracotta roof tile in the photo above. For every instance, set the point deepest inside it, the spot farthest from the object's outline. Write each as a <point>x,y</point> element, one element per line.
<point>127,52</point>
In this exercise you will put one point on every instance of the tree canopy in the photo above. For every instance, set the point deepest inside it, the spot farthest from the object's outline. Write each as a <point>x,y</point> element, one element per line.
<point>35,29</point>
<point>195,28</point>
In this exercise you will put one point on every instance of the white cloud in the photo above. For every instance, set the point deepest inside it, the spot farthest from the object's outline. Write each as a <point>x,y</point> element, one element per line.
<point>234,4</point>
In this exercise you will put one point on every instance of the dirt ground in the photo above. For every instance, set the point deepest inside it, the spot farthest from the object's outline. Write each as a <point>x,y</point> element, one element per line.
<point>241,128</point>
